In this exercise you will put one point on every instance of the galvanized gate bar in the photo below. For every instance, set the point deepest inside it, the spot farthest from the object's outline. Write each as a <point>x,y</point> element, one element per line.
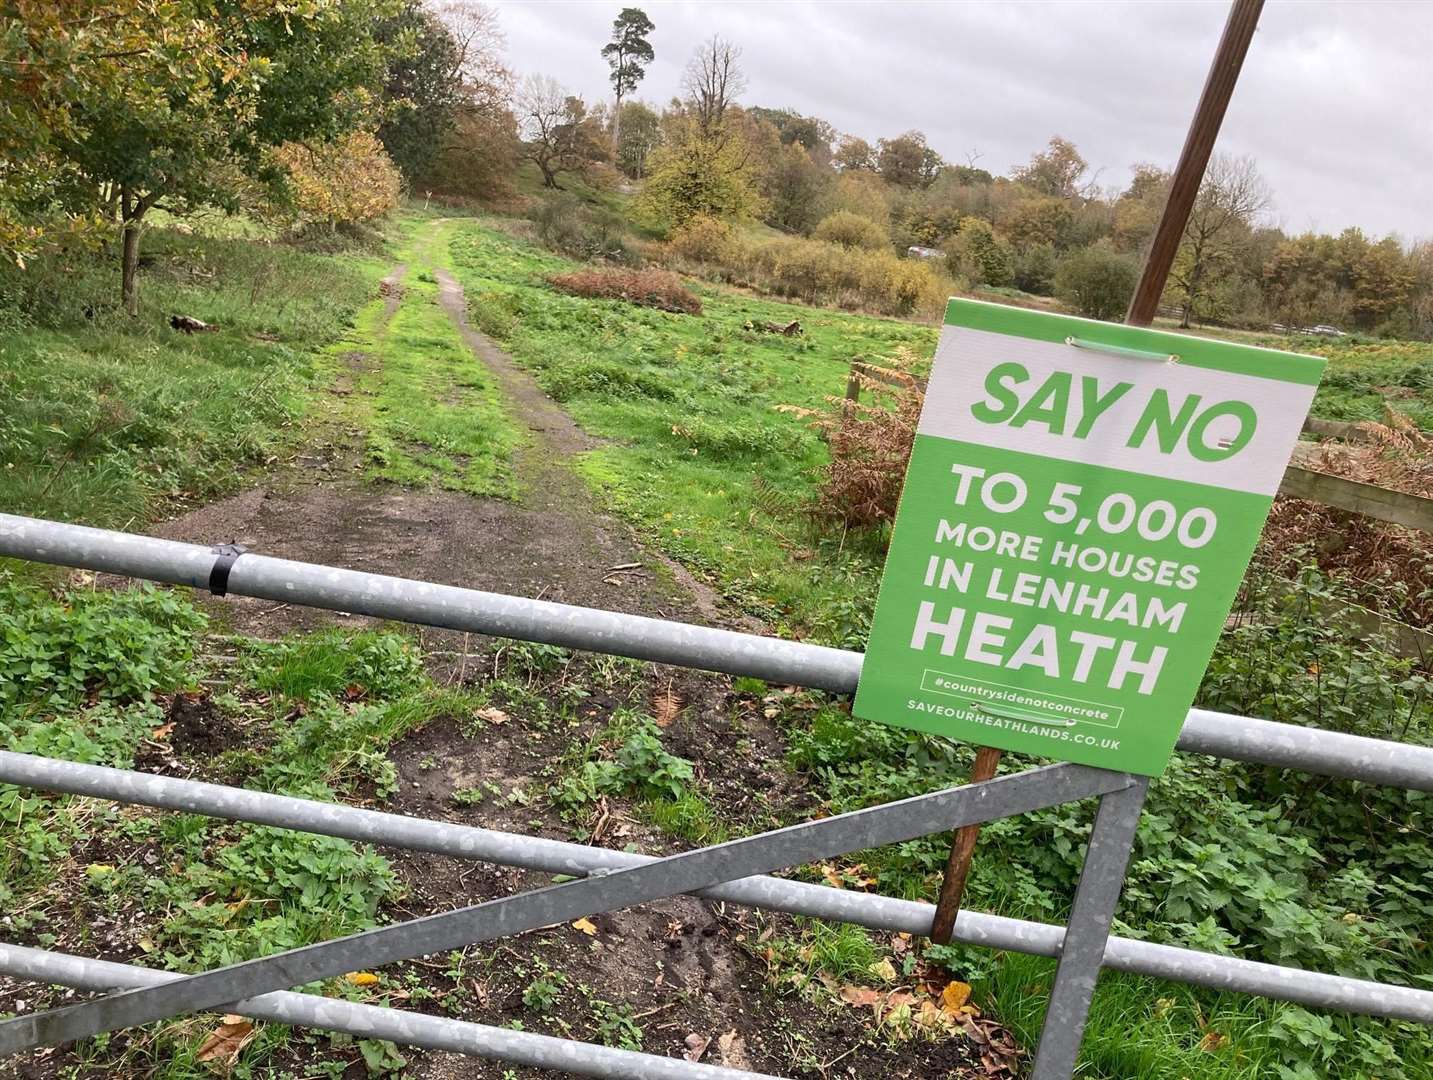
<point>1238,738</point>
<point>448,606</point>
<point>378,1022</point>
<point>1082,954</point>
<point>688,871</point>
<point>1313,989</point>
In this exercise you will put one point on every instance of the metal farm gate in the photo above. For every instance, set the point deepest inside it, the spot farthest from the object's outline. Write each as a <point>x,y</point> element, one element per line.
<point>610,879</point>
<point>732,871</point>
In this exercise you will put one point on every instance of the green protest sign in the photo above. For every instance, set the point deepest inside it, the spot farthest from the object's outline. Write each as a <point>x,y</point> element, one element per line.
<point>1081,503</point>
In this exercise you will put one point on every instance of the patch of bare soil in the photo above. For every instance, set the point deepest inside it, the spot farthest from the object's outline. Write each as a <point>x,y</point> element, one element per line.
<point>687,972</point>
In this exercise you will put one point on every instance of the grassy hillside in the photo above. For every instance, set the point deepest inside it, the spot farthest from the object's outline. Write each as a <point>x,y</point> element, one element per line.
<point>106,418</point>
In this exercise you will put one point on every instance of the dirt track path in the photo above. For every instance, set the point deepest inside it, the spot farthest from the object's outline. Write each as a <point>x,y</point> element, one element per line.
<point>554,543</point>
<point>678,961</point>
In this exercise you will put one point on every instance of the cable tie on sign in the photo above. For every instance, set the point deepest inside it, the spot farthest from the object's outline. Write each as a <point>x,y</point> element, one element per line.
<point>1121,350</point>
<point>219,573</point>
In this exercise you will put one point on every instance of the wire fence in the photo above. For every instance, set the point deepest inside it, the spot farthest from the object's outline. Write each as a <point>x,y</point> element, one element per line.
<point>606,880</point>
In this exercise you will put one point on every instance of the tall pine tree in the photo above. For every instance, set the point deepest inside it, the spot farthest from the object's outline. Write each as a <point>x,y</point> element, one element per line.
<point>628,53</point>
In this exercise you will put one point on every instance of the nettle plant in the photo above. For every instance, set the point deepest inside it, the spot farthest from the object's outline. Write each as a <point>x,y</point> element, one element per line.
<point>626,758</point>
<point>1265,863</point>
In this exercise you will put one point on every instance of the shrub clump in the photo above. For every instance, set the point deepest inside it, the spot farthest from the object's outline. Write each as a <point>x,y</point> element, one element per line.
<point>703,239</point>
<point>849,230</point>
<point>1096,281</point>
<point>567,225</point>
<point>870,446</point>
<point>979,256</point>
<point>647,288</point>
<point>817,272</point>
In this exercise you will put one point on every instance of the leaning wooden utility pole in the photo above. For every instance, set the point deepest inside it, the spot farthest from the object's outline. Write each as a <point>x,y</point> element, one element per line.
<point>1188,175</point>
<point>1194,158</point>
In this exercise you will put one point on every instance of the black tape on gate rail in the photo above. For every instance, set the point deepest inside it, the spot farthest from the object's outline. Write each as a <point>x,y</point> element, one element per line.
<point>219,575</point>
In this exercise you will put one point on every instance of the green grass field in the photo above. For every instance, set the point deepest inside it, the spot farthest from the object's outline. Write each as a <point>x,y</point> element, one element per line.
<point>705,455</point>
<point>108,419</point>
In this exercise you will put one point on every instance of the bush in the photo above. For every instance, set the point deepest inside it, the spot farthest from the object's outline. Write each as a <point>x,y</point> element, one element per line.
<point>568,225</point>
<point>850,230</point>
<point>1034,269</point>
<point>979,256</point>
<point>1096,282</point>
<point>817,272</point>
<point>870,447</point>
<point>703,239</point>
<point>647,288</point>
<point>340,183</point>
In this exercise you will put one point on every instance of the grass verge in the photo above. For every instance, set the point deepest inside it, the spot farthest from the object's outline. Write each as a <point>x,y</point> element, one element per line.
<point>106,419</point>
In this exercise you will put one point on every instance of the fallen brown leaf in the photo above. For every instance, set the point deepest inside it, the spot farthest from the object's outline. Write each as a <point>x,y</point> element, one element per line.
<point>224,1043</point>
<point>732,1048</point>
<point>587,926</point>
<point>493,715</point>
<point>862,995</point>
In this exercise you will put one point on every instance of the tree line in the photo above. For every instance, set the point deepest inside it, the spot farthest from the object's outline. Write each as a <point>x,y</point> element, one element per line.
<point>318,110</point>
<point>1046,227</point>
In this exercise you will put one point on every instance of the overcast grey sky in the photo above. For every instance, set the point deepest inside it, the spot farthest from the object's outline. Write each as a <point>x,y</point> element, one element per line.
<point>1334,101</point>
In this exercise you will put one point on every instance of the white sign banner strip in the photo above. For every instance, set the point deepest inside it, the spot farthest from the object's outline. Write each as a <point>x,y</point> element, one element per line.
<point>969,361</point>
<point>687,872</point>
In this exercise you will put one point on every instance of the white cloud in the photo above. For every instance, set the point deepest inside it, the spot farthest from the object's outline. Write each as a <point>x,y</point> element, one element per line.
<point>1332,103</point>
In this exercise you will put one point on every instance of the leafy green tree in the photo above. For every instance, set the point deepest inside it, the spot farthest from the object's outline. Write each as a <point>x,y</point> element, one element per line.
<point>811,133</point>
<point>1137,210</point>
<point>1043,219</point>
<point>1096,281</point>
<point>979,256</point>
<point>1383,278</point>
<point>628,54</point>
<point>70,67</point>
<point>794,187</point>
<point>423,90</point>
<point>1055,171</point>
<point>696,173</point>
<point>639,133</point>
<point>201,93</point>
<point>1034,269</point>
<point>967,175</point>
<point>906,161</point>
